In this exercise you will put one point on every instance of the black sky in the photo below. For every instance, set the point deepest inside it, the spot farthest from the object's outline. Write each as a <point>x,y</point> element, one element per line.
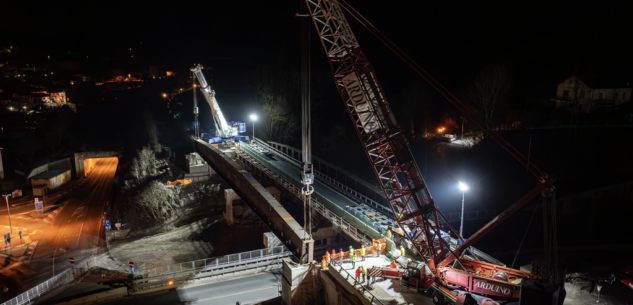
<point>452,40</point>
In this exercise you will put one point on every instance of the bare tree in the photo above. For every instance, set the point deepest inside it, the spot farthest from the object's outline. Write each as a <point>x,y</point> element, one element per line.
<point>489,91</point>
<point>273,87</point>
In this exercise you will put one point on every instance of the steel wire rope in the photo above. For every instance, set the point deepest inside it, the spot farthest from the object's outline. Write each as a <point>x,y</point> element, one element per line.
<point>541,176</point>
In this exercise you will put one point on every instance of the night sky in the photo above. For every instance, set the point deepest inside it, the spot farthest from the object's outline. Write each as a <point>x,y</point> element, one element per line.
<point>540,42</point>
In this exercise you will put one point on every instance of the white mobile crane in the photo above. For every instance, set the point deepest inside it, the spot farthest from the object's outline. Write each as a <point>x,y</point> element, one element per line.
<point>225,133</point>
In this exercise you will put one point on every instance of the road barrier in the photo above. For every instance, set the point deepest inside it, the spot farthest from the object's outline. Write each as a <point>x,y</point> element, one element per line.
<point>58,280</point>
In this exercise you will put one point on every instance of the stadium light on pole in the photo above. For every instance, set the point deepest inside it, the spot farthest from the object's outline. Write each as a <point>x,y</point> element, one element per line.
<point>462,187</point>
<point>253,118</point>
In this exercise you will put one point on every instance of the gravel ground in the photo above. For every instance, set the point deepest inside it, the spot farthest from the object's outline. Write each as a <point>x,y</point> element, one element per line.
<point>181,244</point>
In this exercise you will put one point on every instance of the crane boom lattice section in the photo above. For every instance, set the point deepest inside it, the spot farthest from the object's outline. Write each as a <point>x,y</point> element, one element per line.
<point>381,136</point>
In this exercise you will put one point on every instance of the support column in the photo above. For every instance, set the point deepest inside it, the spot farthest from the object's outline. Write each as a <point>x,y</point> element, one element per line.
<point>230,195</point>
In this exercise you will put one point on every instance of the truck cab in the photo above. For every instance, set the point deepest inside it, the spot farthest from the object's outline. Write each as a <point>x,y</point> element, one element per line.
<point>416,277</point>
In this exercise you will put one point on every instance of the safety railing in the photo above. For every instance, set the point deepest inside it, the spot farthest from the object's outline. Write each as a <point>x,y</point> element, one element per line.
<point>350,193</point>
<point>255,159</point>
<point>263,260</point>
<point>218,262</point>
<point>363,288</point>
<point>58,280</point>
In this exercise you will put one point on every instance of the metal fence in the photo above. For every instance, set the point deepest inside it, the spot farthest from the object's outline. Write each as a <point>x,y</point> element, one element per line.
<point>222,261</point>
<point>363,288</point>
<point>255,159</point>
<point>58,280</point>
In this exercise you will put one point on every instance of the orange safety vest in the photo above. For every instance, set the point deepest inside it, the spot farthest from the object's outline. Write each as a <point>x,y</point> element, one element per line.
<point>327,255</point>
<point>388,234</point>
<point>358,272</point>
<point>333,253</point>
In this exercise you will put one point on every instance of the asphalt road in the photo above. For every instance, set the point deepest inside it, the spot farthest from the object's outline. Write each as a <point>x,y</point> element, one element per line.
<point>74,232</point>
<point>247,290</point>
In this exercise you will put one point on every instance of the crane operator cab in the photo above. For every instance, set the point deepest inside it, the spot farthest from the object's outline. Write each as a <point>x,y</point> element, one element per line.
<point>227,144</point>
<point>417,276</point>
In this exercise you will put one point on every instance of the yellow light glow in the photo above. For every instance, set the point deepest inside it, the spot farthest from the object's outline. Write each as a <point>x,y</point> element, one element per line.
<point>164,94</point>
<point>170,283</point>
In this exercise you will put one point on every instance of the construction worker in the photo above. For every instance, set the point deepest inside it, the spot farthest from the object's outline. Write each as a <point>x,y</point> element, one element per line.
<point>389,234</point>
<point>341,259</point>
<point>353,261</point>
<point>333,255</point>
<point>324,263</point>
<point>393,264</point>
<point>358,273</point>
<point>327,256</point>
<point>362,253</point>
<point>351,250</point>
<point>364,273</point>
<point>402,251</point>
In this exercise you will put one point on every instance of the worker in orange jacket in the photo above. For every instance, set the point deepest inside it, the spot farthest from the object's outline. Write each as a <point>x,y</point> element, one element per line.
<point>389,234</point>
<point>333,255</point>
<point>327,256</point>
<point>341,258</point>
<point>358,273</point>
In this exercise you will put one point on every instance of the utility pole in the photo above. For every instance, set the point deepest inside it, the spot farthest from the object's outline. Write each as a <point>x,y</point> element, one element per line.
<point>6,197</point>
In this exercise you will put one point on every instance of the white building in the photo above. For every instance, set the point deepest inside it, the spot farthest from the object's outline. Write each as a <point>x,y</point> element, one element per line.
<point>592,95</point>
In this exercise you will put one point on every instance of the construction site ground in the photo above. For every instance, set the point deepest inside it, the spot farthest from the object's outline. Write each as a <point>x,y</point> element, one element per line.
<point>201,232</point>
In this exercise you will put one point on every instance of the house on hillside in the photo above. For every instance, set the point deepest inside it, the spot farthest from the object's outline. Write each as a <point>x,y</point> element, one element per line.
<point>589,95</point>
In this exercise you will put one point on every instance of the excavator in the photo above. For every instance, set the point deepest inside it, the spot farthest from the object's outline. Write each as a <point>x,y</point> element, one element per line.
<point>444,270</point>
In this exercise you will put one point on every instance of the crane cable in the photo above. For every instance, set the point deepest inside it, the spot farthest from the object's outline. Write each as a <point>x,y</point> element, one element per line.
<point>541,176</point>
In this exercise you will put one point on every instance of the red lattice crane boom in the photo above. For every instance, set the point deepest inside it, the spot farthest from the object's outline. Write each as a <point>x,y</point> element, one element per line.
<point>393,163</point>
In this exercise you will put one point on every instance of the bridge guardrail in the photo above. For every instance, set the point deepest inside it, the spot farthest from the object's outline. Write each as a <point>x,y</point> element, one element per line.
<point>258,161</point>
<point>269,259</point>
<point>352,194</point>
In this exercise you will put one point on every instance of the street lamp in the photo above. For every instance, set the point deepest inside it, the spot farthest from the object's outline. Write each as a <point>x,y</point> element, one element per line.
<point>6,197</point>
<point>462,187</point>
<point>253,118</point>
